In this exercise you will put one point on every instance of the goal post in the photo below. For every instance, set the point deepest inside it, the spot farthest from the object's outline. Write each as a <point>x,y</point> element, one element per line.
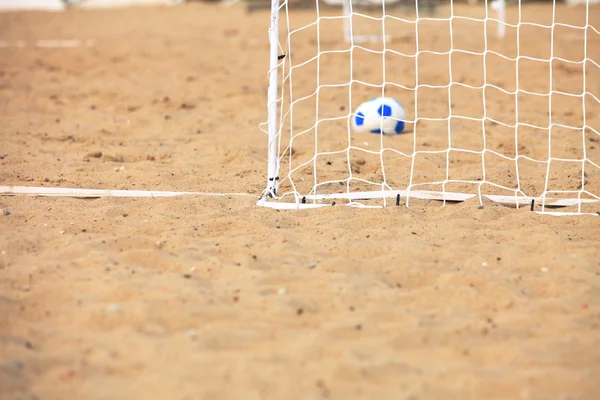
<point>502,103</point>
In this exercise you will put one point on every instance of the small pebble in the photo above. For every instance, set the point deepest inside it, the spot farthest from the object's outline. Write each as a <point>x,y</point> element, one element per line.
<point>484,264</point>
<point>544,269</point>
<point>94,154</point>
<point>282,291</point>
<point>358,327</point>
<point>480,207</point>
<point>313,265</point>
<point>5,211</point>
<point>18,365</point>
<point>192,333</point>
<point>113,308</point>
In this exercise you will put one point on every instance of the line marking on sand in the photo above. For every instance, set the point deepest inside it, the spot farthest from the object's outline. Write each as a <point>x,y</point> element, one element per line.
<point>97,193</point>
<point>48,44</point>
<point>75,192</point>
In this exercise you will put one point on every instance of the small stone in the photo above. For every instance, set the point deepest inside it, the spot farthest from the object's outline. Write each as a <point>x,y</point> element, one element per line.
<point>313,265</point>
<point>300,311</point>
<point>113,308</point>
<point>192,333</point>
<point>94,154</point>
<point>480,207</point>
<point>544,269</point>
<point>358,327</point>
<point>484,264</point>
<point>5,212</point>
<point>281,291</point>
<point>187,106</point>
<point>187,276</point>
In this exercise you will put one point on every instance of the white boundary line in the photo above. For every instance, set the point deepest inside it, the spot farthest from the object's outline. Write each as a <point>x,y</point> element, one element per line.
<point>94,193</point>
<point>37,191</point>
<point>47,43</point>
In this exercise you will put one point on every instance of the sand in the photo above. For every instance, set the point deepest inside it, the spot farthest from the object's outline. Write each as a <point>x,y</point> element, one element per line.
<point>215,298</point>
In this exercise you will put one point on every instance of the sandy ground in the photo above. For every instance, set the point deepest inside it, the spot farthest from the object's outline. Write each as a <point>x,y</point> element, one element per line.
<point>215,298</point>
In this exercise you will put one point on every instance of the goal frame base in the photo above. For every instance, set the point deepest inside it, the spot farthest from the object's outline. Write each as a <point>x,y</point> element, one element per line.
<point>327,200</point>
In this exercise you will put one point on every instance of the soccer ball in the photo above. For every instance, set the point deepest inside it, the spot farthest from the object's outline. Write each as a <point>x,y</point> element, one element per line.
<point>379,115</point>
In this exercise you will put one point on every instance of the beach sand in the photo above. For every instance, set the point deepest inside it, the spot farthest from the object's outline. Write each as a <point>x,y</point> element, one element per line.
<point>215,298</point>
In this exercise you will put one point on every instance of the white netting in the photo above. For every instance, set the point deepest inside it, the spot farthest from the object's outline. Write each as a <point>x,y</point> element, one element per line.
<point>501,101</point>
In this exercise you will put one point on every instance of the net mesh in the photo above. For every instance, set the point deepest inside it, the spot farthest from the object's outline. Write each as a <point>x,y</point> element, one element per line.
<point>500,100</point>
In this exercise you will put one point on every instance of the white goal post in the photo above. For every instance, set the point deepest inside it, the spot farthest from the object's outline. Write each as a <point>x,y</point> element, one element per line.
<point>502,103</point>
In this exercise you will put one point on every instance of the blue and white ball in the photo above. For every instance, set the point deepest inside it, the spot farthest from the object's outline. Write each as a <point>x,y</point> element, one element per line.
<point>379,115</point>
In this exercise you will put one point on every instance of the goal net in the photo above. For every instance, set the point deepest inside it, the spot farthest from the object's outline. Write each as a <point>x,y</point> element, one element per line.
<point>501,101</point>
